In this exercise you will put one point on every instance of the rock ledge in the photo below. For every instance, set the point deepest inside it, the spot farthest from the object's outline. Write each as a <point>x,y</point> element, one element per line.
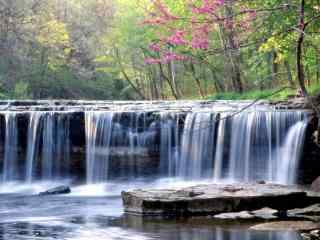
<point>214,199</point>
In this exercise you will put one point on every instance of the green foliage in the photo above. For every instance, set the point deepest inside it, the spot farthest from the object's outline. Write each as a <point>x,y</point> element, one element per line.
<point>91,49</point>
<point>253,95</point>
<point>21,91</point>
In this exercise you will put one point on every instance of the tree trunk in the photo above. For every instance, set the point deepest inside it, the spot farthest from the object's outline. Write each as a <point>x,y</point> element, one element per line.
<point>125,75</point>
<point>163,75</point>
<point>234,51</point>
<point>300,67</point>
<point>197,80</point>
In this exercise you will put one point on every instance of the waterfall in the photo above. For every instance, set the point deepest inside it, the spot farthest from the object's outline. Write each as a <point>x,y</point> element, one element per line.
<point>10,165</point>
<point>248,146</point>
<point>197,146</point>
<point>169,142</point>
<point>203,143</point>
<point>98,139</point>
<point>33,143</point>
<point>48,146</point>
<point>55,146</point>
<point>221,145</point>
<point>291,154</point>
<point>123,135</point>
<point>256,140</point>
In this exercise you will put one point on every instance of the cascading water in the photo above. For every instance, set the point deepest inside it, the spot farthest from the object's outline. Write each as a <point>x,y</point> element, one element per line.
<point>169,144</point>
<point>48,146</point>
<point>256,142</point>
<point>10,164</point>
<point>291,154</point>
<point>33,143</point>
<point>120,137</point>
<point>244,147</point>
<point>98,137</point>
<point>202,143</point>
<point>197,146</point>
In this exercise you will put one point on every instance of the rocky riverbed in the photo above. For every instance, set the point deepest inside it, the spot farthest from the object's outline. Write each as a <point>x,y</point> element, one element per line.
<point>216,199</point>
<point>267,207</point>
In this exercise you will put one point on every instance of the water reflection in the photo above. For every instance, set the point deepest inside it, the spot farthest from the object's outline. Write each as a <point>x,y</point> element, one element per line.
<point>80,217</point>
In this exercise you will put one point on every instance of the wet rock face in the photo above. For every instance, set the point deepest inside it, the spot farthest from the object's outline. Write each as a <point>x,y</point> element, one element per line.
<point>313,235</point>
<point>215,199</point>
<point>316,185</point>
<point>309,213</point>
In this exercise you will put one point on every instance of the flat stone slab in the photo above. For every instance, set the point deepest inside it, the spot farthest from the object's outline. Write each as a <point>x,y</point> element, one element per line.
<point>287,226</point>
<point>213,199</point>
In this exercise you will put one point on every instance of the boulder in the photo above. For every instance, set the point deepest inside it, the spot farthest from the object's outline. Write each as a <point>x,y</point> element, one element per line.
<point>266,213</point>
<point>316,185</point>
<point>311,212</point>
<point>213,199</point>
<point>287,226</point>
<point>313,235</point>
<point>262,214</point>
<point>244,215</point>
<point>56,191</point>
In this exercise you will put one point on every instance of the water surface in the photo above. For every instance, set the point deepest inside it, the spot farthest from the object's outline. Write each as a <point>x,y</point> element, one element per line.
<point>94,212</point>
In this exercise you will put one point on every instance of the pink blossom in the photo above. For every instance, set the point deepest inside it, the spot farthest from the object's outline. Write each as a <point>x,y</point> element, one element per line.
<point>170,56</point>
<point>200,37</point>
<point>155,47</point>
<point>177,38</point>
<point>208,6</point>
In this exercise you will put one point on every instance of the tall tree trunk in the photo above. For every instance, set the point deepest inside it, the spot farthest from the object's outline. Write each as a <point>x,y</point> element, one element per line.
<point>217,83</point>
<point>197,80</point>
<point>318,69</point>
<point>300,67</point>
<point>172,78</point>
<point>234,51</point>
<point>163,75</point>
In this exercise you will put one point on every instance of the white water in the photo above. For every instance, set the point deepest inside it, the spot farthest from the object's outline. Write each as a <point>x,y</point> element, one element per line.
<point>291,154</point>
<point>48,146</point>
<point>250,146</point>
<point>98,137</point>
<point>10,165</point>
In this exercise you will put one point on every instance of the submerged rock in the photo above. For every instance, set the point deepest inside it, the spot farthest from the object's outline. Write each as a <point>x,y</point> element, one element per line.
<point>56,191</point>
<point>311,212</point>
<point>214,199</point>
<point>287,226</point>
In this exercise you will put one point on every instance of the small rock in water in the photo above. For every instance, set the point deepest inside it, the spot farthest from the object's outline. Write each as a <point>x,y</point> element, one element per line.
<point>262,182</point>
<point>195,193</point>
<point>244,215</point>
<point>266,213</point>
<point>56,191</point>
<point>232,189</point>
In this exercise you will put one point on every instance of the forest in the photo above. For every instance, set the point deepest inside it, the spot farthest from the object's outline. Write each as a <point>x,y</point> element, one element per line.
<point>159,49</point>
